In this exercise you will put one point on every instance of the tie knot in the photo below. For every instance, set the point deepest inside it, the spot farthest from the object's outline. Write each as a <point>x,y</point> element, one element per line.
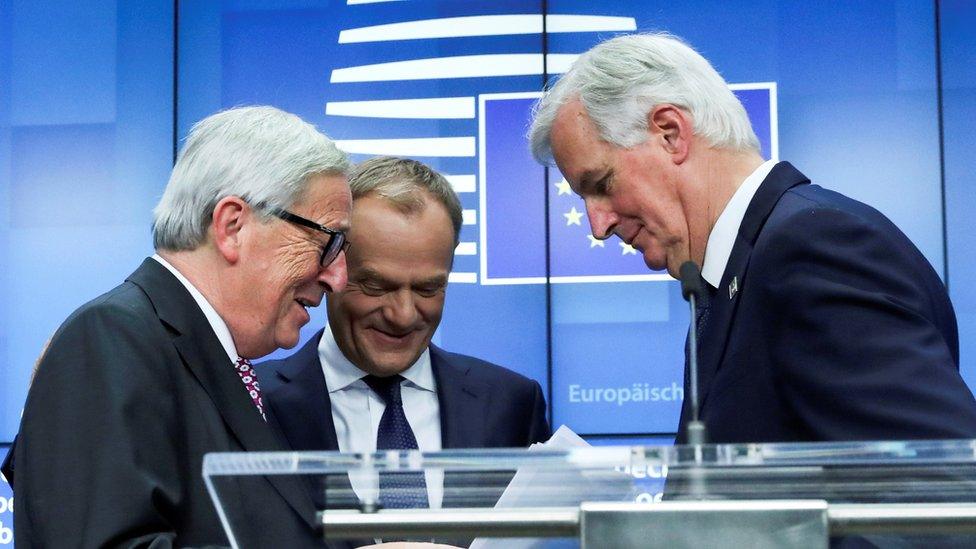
<point>243,363</point>
<point>388,388</point>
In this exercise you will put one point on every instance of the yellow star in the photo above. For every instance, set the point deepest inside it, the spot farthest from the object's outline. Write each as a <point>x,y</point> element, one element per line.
<point>563,187</point>
<point>627,249</point>
<point>594,242</point>
<point>573,217</point>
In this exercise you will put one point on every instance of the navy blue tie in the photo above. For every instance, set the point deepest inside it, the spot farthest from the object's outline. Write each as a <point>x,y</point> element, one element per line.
<point>701,310</point>
<point>397,490</point>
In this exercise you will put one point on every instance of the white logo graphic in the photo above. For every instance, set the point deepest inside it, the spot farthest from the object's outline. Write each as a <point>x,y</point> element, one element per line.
<point>6,533</point>
<point>417,118</point>
<point>433,107</point>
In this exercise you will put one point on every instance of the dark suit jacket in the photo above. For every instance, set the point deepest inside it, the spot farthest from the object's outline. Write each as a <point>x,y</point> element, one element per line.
<point>481,405</point>
<point>133,391</point>
<point>840,329</point>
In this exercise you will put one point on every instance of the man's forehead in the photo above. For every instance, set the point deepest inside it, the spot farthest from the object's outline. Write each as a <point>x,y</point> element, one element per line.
<point>327,200</point>
<point>378,271</point>
<point>383,234</point>
<point>574,129</point>
<point>374,205</point>
<point>570,118</point>
<point>576,145</point>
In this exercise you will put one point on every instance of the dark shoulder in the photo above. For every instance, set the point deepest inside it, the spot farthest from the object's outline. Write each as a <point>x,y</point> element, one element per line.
<point>818,234</point>
<point>276,372</point>
<point>270,375</point>
<point>125,308</point>
<point>480,370</point>
<point>811,199</point>
<point>269,368</point>
<point>113,340</point>
<point>809,213</point>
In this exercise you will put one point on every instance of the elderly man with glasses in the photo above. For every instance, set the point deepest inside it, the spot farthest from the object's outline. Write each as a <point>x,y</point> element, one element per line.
<point>138,384</point>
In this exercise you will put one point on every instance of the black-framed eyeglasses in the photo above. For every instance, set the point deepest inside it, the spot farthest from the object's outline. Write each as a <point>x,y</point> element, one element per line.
<point>337,239</point>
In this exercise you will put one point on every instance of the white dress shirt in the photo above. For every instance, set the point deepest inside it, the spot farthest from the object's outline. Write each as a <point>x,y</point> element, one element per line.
<point>356,412</point>
<point>217,323</point>
<point>722,237</point>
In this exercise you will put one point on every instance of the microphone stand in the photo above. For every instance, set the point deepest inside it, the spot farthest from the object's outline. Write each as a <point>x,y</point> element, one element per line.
<point>692,290</point>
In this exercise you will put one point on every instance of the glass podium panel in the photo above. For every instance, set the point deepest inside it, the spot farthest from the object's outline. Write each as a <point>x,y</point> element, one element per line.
<point>778,495</point>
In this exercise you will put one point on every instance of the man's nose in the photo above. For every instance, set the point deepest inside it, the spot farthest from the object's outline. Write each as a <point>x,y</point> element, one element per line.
<point>401,308</point>
<point>334,275</point>
<point>602,219</point>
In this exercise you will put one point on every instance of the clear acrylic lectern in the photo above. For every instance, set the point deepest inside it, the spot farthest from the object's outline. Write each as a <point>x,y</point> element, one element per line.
<point>897,494</point>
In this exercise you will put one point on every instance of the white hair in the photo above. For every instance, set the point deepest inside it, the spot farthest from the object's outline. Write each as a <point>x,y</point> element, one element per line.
<point>622,79</point>
<point>261,154</point>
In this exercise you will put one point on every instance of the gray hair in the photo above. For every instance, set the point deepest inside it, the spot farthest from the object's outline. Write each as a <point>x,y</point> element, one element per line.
<point>403,182</point>
<point>261,154</point>
<point>622,79</point>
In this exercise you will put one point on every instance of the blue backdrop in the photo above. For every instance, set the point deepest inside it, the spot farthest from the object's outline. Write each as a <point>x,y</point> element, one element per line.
<point>6,508</point>
<point>958,49</point>
<point>86,141</point>
<point>89,113</point>
<point>612,362</point>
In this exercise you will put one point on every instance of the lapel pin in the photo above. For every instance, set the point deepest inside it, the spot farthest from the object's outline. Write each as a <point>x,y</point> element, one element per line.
<point>733,286</point>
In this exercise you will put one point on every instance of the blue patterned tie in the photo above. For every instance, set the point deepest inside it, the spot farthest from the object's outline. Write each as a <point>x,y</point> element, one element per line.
<point>397,490</point>
<point>702,309</point>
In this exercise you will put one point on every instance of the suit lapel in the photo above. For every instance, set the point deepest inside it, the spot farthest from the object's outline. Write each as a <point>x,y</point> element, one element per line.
<point>204,357</point>
<point>781,178</point>
<point>458,401</point>
<point>305,396</point>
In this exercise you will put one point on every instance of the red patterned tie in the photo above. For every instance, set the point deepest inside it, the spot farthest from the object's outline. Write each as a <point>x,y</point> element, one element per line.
<point>246,371</point>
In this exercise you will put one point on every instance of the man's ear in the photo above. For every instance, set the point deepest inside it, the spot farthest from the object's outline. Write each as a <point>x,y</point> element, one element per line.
<point>672,128</point>
<point>229,218</point>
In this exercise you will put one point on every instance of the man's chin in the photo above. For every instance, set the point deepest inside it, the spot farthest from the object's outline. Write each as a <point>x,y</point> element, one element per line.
<point>388,366</point>
<point>655,263</point>
<point>288,341</point>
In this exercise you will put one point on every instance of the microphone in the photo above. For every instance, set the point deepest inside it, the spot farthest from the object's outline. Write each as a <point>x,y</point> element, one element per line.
<point>691,281</point>
<point>692,291</point>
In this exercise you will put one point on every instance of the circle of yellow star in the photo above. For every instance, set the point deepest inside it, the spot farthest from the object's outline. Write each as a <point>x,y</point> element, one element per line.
<point>563,187</point>
<point>594,242</point>
<point>573,217</point>
<point>626,249</point>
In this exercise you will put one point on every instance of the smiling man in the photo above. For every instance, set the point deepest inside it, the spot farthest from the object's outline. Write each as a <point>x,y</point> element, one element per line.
<point>824,321</point>
<point>138,384</point>
<point>371,379</point>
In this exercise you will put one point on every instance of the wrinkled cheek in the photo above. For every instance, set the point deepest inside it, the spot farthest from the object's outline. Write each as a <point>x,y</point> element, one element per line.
<point>296,265</point>
<point>301,272</point>
<point>360,341</point>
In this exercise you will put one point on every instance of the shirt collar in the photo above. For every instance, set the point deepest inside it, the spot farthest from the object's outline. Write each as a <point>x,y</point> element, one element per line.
<point>340,372</point>
<point>216,323</point>
<point>722,238</point>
